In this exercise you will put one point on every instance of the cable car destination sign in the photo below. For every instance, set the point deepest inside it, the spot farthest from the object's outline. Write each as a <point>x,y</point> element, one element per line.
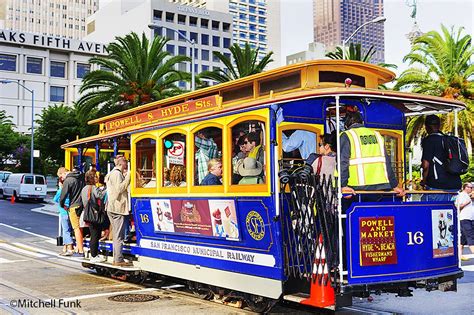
<point>165,112</point>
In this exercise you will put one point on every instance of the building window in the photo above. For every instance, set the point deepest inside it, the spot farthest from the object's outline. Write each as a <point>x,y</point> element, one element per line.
<point>204,23</point>
<point>169,17</point>
<point>196,52</point>
<point>215,25</point>
<point>193,21</point>
<point>225,27</point>
<point>215,58</point>
<point>34,65</point>
<point>204,39</point>
<point>216,41</point>
<point>205,68</point>
<point>82,70</point>
<point>157,14</point>
<point>7,62</point>
<point>261,20</point>
<point>169,34</point>
<point>183,36</point>
<point>181,19</point>
<point>58,69</point>
<point>56,93</point>
<point>194,37</point>
<point>226,42</point>
<point>205,54</point>
<point>170,49</point>
<point>181,50</point>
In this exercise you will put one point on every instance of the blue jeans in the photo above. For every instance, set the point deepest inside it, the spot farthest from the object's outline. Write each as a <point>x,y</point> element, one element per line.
<point>66,229</point>
<point>439,197</point>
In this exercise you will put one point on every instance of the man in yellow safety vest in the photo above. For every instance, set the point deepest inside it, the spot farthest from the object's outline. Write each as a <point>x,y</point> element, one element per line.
<point>364,162</point>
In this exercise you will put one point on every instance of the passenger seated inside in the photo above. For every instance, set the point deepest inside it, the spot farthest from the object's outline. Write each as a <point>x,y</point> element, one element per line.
<point>206,149</point>
<point>214,176</point>
<point>178,176</point>
<point>253,147</point>
<point>239,155</point>
<point>250,170</point>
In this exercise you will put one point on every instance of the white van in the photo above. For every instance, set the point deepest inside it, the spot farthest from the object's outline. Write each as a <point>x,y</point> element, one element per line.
<point>3,178</point>
<point>25,185</point>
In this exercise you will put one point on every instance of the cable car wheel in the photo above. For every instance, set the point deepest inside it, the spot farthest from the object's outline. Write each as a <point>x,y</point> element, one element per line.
<point>259,304</point>
<point>200,290</point>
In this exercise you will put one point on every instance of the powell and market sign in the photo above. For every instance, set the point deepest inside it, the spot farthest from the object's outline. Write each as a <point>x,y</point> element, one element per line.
<point>38,40</point>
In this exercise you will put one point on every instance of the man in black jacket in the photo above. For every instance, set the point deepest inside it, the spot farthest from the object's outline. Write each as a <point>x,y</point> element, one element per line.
<point>72,187</point>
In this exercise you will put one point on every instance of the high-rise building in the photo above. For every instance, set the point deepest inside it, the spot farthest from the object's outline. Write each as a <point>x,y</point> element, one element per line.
<point>256,22</point>
<point>210,30</point>
<point>63,18</point>
<point>335,20</point>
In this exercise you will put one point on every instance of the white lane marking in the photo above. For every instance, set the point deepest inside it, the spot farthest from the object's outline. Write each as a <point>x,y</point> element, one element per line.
<point>35,249</point>
<point>468,268</point>
<point>21,251</point>
<point>8,261</point>
<point>92,296</point>
<point>27,232</point>
<point>40,210</point>
<point>364,310</point>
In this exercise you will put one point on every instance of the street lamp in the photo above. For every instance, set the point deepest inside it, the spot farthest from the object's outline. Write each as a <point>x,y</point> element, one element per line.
<point>379,19</point>
<point>32,117</point>
<point>193,45</point>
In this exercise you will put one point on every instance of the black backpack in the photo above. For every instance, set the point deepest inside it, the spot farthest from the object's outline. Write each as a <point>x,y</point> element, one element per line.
<point>457,162</point>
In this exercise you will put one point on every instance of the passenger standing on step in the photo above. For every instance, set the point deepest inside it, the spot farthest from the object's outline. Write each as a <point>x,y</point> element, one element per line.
<point>118,181</point>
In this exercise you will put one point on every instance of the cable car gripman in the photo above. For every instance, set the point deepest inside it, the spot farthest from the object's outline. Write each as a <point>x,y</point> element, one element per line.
<point>284,234</point>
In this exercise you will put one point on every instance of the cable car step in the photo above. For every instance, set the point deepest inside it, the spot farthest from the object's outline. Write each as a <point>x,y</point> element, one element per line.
<point>296,297</point>
<point>88,264</point>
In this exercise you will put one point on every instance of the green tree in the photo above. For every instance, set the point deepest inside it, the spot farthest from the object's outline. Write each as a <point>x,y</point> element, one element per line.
<point>355,52</point>
<point>58,124</point>
<point>135,71</point>
<point>10,138</point>
<point>441,67</point>
<point>245,63</point>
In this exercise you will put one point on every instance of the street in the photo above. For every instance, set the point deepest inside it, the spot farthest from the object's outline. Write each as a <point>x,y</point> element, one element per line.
<point>32,272</point>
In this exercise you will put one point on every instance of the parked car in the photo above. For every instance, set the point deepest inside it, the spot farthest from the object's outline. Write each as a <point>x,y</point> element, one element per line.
<point>3,178</point>
<point>25,185</point>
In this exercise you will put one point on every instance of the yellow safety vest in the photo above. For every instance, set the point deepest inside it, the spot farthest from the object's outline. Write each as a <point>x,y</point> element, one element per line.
<point>367,160</point>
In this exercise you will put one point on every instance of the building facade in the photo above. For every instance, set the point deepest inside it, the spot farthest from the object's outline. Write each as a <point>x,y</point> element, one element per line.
<point>256,22</point>
<point>53,67</point>
<point>335,20</point>
<point>61,18</point>
<point>211,31</point>
<point>315,51</point>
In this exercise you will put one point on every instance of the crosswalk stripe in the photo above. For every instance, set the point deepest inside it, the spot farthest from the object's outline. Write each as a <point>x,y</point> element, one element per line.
<point>468,268</point>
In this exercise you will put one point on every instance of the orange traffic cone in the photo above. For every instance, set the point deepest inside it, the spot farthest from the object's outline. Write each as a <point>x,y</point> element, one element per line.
<point>12,199</point>
<point>321,292</point>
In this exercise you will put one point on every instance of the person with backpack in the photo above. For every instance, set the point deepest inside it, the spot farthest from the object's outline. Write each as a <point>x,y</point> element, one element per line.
<point>434,162</point>
<point>93,200</point>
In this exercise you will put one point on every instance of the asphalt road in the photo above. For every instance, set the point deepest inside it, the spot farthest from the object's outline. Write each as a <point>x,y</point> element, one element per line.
<point>30,269</point>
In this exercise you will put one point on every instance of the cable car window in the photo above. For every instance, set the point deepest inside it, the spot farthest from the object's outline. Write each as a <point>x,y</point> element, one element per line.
<point>207,146</point>
<point>391,146</point>
<point>340,77</point>
<point>145,163</point>
<point>281,83</point>
<point>298,144</point>
<point>174,160</point>
<point>248,153</point>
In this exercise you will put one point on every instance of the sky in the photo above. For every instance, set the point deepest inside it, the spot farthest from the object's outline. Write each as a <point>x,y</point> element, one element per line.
<point>297,20</point>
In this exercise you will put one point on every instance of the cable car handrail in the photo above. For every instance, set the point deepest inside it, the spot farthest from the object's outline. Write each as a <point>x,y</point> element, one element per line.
<point>391,192</point>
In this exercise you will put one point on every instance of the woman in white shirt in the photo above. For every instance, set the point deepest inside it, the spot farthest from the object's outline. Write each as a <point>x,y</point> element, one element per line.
<point>466,217</point>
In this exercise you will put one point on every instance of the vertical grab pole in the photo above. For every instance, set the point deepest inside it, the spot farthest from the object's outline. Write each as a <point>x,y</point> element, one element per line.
<point>339,192</point>
<point>456,123</point>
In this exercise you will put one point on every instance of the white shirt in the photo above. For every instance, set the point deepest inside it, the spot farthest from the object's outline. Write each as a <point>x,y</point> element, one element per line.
<point>467,213</point>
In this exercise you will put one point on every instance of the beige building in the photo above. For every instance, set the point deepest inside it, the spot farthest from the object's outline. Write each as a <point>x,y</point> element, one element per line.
<point>62,18</point>
<point>256,22</point>
<point>315,51</point>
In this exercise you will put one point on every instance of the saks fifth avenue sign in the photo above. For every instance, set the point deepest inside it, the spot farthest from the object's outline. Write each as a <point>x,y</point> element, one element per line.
<point>167,112</point>
<point>60,43</point>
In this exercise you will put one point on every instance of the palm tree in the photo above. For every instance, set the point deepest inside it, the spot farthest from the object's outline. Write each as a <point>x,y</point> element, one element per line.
<point>354,52</point>
<point>443,68</point>
<point>5,119</point>
<point>134,72</point>
<point>246,63</point>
